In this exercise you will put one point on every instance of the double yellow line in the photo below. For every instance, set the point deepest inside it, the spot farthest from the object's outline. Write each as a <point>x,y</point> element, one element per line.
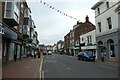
<point>40,70</point>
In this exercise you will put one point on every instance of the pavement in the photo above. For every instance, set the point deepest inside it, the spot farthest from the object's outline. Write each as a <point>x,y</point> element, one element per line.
<point>114,64</point>
<point>26,68</point>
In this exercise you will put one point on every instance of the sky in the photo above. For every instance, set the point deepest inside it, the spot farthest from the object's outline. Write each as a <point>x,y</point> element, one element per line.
<point>52,26</point>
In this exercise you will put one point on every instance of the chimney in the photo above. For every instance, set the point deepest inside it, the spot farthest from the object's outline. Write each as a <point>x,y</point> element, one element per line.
<point>87,18</point>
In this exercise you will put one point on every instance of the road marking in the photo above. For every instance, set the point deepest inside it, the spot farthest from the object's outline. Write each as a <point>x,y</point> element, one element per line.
<point>64,65</point>
<point>42,77</point>
<point>40,69</point>
<point>68,68</point>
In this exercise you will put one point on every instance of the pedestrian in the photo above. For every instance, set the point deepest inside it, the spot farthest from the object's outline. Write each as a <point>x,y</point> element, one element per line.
<point>34,54</point>
<point>39,54</point>
<point>102,57</point>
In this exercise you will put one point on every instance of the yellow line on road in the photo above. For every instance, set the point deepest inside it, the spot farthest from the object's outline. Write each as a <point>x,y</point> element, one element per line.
<point>42,77</point>
<point>40,70</point>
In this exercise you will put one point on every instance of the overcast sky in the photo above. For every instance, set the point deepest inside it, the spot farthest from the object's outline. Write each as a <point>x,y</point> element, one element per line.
<point>53,26</point>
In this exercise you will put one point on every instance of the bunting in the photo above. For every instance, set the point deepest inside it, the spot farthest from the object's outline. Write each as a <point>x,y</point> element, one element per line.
<point>59,11</point>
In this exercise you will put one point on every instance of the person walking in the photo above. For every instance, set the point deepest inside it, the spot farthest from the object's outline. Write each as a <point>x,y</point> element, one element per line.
<point>102,57</point>
<point>39,54</point>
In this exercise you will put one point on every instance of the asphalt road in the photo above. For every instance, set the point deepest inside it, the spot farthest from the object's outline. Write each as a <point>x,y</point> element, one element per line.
<point>63,66</point>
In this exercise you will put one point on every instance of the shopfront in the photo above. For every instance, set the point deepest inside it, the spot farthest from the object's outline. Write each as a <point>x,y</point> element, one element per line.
<point>8,45</point>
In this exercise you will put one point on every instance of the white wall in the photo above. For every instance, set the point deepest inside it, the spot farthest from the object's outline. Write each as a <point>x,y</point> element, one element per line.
<point>103,19</point>
<point>92,33</point>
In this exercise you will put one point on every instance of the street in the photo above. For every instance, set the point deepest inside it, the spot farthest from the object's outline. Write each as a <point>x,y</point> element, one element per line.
<point>62,66</point>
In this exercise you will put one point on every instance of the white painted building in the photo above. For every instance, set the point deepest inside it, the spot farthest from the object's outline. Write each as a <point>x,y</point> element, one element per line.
<point>88,41</point>
<point>107,18</point>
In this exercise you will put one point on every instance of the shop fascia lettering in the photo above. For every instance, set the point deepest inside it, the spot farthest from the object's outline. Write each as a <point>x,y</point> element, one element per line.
<point>1,30</point>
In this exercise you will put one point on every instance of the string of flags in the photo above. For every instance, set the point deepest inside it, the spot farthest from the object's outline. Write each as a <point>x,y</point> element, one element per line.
<point>59,11</point>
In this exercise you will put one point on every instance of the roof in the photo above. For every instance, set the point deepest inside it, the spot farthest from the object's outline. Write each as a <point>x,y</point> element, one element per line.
<point>97,4</point>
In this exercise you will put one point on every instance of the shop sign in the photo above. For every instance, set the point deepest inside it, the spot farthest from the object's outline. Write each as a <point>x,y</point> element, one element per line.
<point>1,30</point>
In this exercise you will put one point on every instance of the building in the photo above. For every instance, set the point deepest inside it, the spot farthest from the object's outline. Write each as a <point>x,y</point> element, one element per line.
<point>10,18</point>
<point>72,42</point>
<point>71,47</point>
<point>67,43</point>
<point>107,18</point>
<point>88,42</point>
<point>15,26</point>
<point>79,29</point>
<point>54,48</point>
<point>43,48</point>
<point>49,48</point>
<point>60,46</point>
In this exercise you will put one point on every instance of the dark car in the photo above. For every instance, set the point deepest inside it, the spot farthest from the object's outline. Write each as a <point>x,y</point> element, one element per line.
<point>86,56</point>
<point>44,53</point>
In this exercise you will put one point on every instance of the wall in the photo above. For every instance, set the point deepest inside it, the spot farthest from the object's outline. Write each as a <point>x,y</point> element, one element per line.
<point>92,33</point>
<point>103,19</point>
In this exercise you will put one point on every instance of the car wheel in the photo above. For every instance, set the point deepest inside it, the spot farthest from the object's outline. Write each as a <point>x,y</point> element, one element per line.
<point>84,59</point>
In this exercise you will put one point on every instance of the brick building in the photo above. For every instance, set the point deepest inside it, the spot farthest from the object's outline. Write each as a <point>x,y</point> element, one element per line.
<point>80,29</point>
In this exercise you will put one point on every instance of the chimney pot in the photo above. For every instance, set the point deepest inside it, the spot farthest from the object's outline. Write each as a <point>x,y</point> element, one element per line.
<point>87,18</point>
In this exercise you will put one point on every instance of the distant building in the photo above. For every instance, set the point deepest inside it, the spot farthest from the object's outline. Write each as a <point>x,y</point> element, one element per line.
<point>107,18</point>
<point>60,46</point>
<point>67,43</point>
<point>72,42</point>
<point>55,48</point>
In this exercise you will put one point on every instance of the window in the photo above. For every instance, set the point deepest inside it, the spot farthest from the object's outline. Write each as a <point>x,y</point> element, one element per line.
<point>8,9</point>
<point>109,23</point>
<point>107,5</point>
<point>89,39</point>
<point>99,26</point>
<point>98,10</point>
<point>82,39</point>
<point>17,4</point>
<point>22,8</point>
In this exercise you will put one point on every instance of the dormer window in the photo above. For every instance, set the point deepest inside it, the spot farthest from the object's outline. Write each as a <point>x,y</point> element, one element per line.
<point>107,5</point>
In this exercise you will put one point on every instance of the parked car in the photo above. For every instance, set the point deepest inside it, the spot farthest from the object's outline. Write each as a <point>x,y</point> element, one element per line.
<point>44,53</point>
<point>49,52</point>
<point>86,56</point>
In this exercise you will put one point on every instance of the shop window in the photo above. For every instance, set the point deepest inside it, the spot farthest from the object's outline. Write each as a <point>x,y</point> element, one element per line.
<point>111,48</point>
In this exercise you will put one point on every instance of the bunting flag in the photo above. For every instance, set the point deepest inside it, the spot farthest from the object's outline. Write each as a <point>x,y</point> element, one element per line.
<point>59,11</point>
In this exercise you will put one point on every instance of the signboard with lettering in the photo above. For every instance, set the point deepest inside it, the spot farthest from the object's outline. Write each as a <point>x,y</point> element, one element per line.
<point>1,30</point>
